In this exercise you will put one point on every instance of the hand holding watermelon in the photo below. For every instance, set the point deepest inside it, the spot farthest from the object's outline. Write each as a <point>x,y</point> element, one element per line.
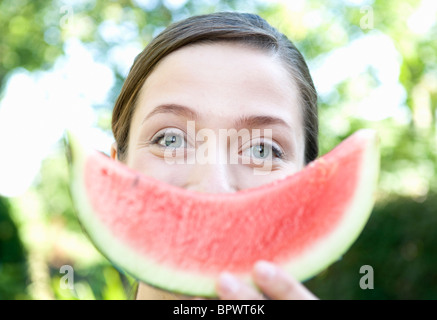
<point>273,282</point>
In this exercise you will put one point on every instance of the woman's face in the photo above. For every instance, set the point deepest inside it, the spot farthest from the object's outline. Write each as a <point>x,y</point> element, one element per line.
<point>217,118</point>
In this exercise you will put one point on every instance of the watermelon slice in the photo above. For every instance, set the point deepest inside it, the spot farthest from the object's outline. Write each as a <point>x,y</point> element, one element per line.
<point>180,240</point>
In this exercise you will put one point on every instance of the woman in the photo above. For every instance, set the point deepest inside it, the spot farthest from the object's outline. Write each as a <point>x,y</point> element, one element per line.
<point>222,71</point>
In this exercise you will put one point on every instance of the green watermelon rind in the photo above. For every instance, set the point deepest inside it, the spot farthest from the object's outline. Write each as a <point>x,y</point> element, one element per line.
<point>322,254</point>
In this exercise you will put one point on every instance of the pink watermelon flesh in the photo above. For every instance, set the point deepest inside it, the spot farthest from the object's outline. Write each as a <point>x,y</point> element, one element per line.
<point>198,233</point>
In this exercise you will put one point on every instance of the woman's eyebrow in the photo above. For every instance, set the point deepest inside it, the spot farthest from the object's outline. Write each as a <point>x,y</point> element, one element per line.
<point>252,121</point>
<point>175,109</point>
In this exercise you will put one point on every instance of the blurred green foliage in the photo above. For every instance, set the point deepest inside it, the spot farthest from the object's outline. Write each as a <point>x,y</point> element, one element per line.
<point>399,243</point>
<point>13,269</point>
<point>39,232</point>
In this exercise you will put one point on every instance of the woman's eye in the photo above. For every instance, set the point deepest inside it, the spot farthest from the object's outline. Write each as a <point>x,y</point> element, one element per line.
<point>260,151</point>
<point>265,151</point>
<point>170,139</point>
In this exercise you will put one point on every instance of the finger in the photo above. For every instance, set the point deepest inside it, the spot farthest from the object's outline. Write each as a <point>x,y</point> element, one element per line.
<point>277,284</point>
<point>231,288</point>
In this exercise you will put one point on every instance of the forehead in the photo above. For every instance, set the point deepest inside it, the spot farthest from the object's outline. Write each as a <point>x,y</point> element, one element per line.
<point>221,81</point>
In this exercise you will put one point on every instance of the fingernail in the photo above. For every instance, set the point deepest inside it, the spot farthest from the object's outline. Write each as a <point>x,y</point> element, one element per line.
<point>228,283</point>
<point>265,271</point>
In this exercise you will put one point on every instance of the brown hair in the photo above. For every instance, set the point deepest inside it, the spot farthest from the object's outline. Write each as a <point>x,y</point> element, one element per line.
<point>243,28</point>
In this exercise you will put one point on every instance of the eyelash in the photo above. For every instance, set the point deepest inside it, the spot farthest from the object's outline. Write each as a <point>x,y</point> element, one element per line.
<point>278,153</point>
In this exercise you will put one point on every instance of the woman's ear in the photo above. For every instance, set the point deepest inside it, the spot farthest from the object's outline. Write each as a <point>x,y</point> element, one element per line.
<point>114,151</point>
